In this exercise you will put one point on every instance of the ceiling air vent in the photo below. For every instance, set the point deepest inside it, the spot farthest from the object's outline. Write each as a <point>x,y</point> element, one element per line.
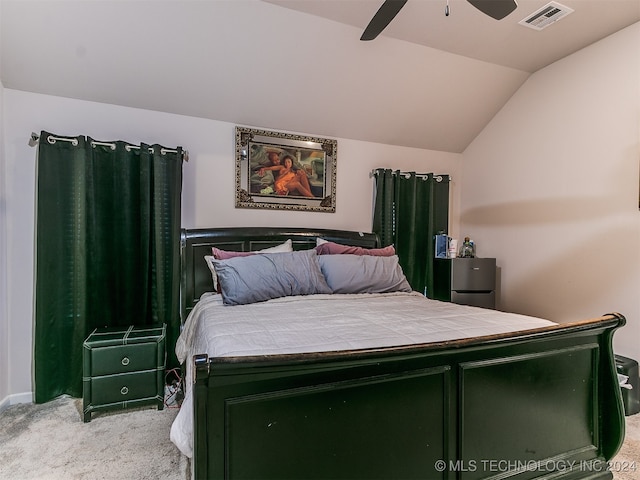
<point>550,13</point>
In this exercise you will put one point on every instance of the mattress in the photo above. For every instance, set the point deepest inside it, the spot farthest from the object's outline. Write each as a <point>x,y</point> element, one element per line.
<point>326,323</point>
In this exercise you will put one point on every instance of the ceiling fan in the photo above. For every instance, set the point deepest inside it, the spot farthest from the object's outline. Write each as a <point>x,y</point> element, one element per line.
<point>497,9</point>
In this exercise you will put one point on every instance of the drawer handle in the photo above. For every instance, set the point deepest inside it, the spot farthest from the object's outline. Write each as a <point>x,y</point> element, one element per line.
<point>124,390</point>
<point>125,361</point>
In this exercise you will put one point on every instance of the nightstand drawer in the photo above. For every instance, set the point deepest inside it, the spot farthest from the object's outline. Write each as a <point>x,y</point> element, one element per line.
<point>125,387</point>
<point>123,358</point>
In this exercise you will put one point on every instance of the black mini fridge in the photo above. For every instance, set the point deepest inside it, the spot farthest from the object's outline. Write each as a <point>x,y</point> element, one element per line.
<point>468,281</point>
<point>630,396</point>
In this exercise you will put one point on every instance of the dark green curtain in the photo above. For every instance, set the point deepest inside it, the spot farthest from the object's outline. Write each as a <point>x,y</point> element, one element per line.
<point>107,249</point>
<point>410,209</point>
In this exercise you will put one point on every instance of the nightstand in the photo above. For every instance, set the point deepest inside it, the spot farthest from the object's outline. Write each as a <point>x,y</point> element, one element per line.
<point>123,368</point>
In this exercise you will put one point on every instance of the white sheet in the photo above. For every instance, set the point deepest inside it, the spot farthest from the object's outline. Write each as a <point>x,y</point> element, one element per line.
<point>322,323</point>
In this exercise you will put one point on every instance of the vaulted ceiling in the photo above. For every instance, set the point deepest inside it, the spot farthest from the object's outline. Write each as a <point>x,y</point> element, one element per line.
<point>428,81</point>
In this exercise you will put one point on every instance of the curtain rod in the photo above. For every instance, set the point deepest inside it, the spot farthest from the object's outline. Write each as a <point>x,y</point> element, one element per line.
<point>34,139</point>
<point>437,178</point>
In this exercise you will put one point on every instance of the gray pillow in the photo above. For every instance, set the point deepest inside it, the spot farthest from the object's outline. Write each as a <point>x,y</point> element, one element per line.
<point>363,274</point>
<point>260,277</point>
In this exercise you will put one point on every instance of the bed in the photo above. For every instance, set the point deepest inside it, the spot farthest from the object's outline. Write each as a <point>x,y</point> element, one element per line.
<point>539,401</point>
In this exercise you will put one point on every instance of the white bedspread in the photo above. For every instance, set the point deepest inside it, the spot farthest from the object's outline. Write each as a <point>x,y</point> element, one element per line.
<point>322,323</point>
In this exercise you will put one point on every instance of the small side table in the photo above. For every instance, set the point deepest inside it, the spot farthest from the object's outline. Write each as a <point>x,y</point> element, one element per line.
<point>123,368</point>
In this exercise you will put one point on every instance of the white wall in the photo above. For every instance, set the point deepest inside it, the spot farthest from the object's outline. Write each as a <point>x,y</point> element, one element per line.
<point>4,318</point>
<point>208,186</point>
<point>550,188</point>
<point>4,322</point>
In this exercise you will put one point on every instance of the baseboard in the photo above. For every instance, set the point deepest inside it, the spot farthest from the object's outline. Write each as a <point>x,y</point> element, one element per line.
<point>26,397</point>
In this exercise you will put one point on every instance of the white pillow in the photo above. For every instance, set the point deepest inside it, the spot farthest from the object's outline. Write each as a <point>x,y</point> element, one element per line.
<point>282,248</point>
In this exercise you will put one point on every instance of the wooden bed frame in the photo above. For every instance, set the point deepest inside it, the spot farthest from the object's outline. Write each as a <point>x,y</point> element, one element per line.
<point>541,403</point>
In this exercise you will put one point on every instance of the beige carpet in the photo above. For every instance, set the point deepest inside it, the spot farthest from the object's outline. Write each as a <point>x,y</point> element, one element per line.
<point>50,442</point>
<point>626,464</point>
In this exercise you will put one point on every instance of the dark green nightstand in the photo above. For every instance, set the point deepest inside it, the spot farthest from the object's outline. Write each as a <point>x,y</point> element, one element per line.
<point>123,368</point>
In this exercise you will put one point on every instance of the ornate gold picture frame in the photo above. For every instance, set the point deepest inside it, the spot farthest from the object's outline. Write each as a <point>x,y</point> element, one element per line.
<point>285,171</point>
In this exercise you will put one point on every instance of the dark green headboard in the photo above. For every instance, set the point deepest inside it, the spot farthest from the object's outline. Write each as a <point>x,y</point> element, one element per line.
<point>195,244</point>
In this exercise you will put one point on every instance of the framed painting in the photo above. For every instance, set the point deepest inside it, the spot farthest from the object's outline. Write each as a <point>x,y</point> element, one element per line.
<point>285,171</point>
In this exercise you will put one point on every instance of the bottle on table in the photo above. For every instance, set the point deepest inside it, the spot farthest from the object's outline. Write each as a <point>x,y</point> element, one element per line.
<point>468,249</point>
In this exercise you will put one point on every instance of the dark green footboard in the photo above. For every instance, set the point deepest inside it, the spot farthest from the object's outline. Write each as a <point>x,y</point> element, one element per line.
<point>537,404</point>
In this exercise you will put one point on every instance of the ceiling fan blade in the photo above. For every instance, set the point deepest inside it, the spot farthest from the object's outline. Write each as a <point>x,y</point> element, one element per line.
<point>497,9</point>
<point>382,18</point>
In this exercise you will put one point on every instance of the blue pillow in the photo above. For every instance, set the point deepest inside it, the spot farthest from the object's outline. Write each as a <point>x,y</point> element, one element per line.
<point>363,274</point>
<point>263,276</point>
